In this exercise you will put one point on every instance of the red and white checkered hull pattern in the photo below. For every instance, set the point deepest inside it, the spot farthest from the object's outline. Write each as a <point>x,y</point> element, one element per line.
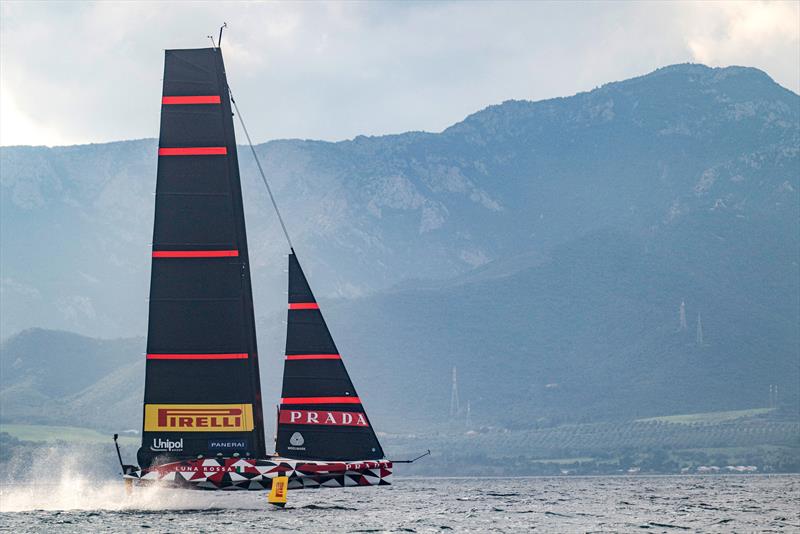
<point>250,474</point>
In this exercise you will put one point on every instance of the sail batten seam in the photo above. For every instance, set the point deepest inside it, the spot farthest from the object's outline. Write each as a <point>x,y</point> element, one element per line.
<point>313,357</point>
<point>220,356</point>
<point>193,151</point>
<point>208,99</point>
<point>303,306</point>
<point>195,253</point>
<point>320,400</point>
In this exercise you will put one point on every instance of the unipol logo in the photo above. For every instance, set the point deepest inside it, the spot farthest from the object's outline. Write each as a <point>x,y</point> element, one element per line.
<point>199,417</point>
<point>166,445</point>
<point>322,417</point>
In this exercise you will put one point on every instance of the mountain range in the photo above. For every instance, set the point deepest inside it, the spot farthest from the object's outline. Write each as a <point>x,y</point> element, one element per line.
<point>543,249</point>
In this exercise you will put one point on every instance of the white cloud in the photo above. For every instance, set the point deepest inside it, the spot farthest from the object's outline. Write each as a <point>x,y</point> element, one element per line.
<point>91,72</point>
<point>750,33</point>
<point>18,129</point>
<point>9,285</point>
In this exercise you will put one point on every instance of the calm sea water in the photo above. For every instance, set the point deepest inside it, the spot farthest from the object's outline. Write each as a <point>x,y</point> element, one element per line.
<point>590,504</point>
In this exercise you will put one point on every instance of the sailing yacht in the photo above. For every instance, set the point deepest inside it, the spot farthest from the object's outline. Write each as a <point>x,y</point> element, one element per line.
<point>203,422</point>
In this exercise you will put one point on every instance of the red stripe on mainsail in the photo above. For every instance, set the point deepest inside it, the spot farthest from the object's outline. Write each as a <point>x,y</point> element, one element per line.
<point>226,356</point>
<point>210,99</point>
<point>195,253</point>
<point>321,400</point>
<point>303,306</point>
<point>313,357</point>
<point>194,151</point>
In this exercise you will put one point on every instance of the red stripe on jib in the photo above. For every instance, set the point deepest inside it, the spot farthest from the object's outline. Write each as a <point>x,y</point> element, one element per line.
<point>303,306</point>
<point>322,417</point>
<point>321,400</point>
<point>313,357</point>
<point>194,151</point>
<point>195,253</point>
<point>210,99</point>
<point>226,356</point>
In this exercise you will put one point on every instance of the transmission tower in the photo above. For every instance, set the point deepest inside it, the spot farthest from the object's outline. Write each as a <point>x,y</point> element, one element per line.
<point>699,338</point>
<point>683,316</point>
<point>455,409</point>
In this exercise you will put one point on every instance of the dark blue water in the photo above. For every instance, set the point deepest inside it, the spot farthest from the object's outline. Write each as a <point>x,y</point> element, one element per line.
<point>563,504</point>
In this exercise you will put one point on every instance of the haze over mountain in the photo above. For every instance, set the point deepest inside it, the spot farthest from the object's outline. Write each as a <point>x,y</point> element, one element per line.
<point>543,248</point>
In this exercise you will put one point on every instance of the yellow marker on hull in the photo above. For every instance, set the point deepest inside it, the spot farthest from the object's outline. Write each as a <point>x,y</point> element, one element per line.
<point>277,494</point>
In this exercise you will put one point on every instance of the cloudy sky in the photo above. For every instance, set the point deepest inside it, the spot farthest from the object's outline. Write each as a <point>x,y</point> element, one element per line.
<point>74,72</point>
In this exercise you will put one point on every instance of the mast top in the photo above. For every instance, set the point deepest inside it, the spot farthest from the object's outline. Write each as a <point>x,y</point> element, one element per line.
<point>219,41</point>
<point>218,44</point>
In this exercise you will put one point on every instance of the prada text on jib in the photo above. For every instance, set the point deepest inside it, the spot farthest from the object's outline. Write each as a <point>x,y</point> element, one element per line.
<point>322,417</point>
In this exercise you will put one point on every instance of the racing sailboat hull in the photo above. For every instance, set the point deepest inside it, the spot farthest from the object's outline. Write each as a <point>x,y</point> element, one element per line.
<point>252,474</point>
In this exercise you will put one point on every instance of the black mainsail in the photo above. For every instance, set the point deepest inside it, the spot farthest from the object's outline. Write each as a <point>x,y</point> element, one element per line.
<point>320,416</point>
<point>202,389</point>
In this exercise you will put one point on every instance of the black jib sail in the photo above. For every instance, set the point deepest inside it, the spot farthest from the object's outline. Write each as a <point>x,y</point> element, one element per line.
<point>202,389</point>
<point>320,415</point>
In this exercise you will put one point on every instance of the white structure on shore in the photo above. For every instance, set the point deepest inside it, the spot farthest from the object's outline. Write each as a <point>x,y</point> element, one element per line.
<point>455,408</point>
<point>683,317</point>
<point>699,337</point>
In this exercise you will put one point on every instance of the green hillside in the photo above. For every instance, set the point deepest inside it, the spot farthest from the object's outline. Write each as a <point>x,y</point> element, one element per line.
<point>710,417</point>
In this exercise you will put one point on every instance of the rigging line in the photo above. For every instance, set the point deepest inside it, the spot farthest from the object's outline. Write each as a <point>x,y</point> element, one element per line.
<point>261,171</point>
<point>427,453</point>
<point>224,25</point>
